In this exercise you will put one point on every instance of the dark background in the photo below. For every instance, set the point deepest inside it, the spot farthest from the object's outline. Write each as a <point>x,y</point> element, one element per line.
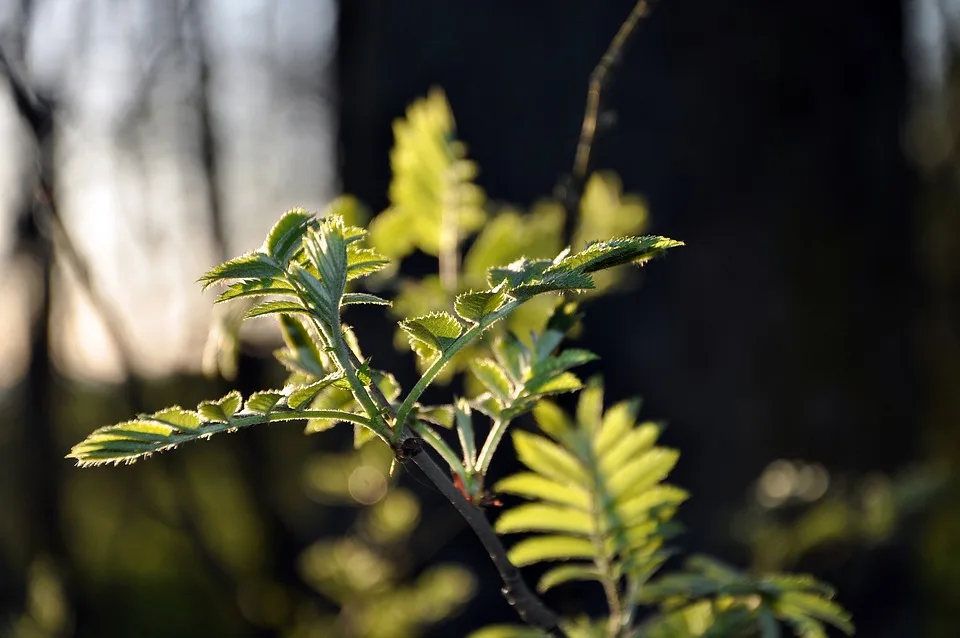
<point>812,315</point>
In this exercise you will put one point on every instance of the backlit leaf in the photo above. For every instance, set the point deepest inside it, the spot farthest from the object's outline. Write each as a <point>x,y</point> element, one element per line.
<point>474,306</point>
<point>221,410</point>
<point>263,402</point>
<point>250,266</point>
<point>436,331</point>
<point>488,372</point>
<point>565,574</point>
<point>541,517</point>
<point>284,239</point>
<point>276,307</point>
<point>362,298</point>
<point>534,486</point>
<point>540,548</point>
<point>549,459</point>
<point>256,288</point>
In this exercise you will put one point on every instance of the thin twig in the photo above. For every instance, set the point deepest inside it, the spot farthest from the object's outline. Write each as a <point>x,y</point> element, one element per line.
<point>529,607</point>
<point>600,78</point>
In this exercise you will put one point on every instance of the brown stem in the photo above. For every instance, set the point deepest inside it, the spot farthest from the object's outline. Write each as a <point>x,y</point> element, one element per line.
<point>527,604</point>
<point>599,79</point>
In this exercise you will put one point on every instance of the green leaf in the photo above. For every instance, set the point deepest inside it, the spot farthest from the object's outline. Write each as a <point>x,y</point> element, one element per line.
<point>642,472</point>
<point>639,508</point>
<point>489,373</point>
<point>565,574</point>
<point>552,420</point>
<point>616,423</point>
<point>508,631</point>
<point>362,298</point>
<point>301,397</point>
<point>797,582</point>
<point>512,355</point>
<point>128,441</point>
<point>541,517</point>
<point>468,442</point>
<point>177,417</point>
<point>542,548</point>
<point>534,486</point>
<point>614,252</point>
<point>284,239</point>
<point>256,288</point>
<point>560,281</point>
<point>474,306</point>
<point>362,436</point>
<point>326,248</point>
<point>263,402</point>
<point>364,261</point>
<point>550,460</point>
<point>442,415</point>
<point>815,606</point>
<point>518,272</point>
<point>276,307</point>
<point>221,410</point>
<point>563,382</point>
<point>436,331</point>
<point>590,406</point>
<point>548,370</point>
<point>301,354</point>
<point>253,265</point>
<point>317,297</point>
<point>634,443</point>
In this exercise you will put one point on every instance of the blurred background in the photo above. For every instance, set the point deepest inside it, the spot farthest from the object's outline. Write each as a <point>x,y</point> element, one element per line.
<point>804,347</point>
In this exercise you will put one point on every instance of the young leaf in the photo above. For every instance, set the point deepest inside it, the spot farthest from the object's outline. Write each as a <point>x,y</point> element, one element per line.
<point>221,410</point>
<point>540,548</point>
<point>276,307</point>
<point>301,397</point>
<point>436,331</point>
<point>326,248</point>
<point>614,252</point>
<point>284,239</point>
<point>301,354</point>
<point>550,460</point>
<point>176,417</point>
<point>263,402</point>
<point>474,306</point>
<point>256,288</point>
<point>534,486</point>
<point>493,378</point>
<point>552,420</point>
<point>364,261</point>
<point>362,298</point>
<point>512,355</point>
<point>253,265</point>
<point>566,573</point>
<point>549,369</point>
<point>641,473</point>
<point>540,517</point>
<point>468,443</point>
<point>559,281</point>
<point>517,273</point>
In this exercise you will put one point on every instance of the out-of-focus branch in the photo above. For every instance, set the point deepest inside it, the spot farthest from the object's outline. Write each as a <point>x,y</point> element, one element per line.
<point>600,78</point>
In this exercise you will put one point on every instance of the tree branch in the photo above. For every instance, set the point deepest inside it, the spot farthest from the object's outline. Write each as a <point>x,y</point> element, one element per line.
<point>600,78</point>
<point>529,607</point>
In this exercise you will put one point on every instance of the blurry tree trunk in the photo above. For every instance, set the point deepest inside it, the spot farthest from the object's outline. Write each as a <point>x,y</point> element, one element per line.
<point>41,461</point>
<point>939,338</point>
